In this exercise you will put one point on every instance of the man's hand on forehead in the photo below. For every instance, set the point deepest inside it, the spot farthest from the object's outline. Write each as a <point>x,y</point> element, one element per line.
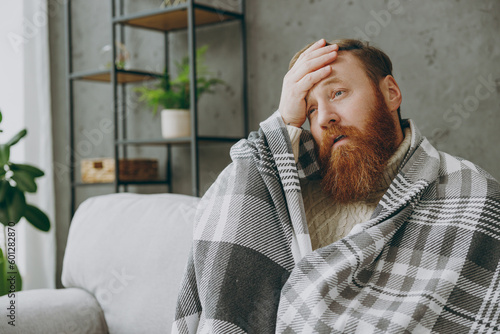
<point>311,67</point>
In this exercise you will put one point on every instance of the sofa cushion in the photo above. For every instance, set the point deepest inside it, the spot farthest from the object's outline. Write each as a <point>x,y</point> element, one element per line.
<point>130,251</point>
<point>50,311</point>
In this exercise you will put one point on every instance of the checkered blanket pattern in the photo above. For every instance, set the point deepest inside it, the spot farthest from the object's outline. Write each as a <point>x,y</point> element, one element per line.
<point>426,262</point>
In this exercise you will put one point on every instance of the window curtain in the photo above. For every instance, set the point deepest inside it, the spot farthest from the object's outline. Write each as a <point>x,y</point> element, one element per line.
<point>25,103</point>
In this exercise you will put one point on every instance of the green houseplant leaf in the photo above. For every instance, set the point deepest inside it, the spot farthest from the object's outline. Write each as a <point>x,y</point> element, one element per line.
<point>24,181</point>
<point>9,273</point>
<point>4,185</point>
<point>4,215</point>
<point>32,170</point>
<point>13,206</point>
<point>16,204</point>
<point>4,154</point>
<point>37,218</point>
<point>17,137</point>
<point>3,275</point>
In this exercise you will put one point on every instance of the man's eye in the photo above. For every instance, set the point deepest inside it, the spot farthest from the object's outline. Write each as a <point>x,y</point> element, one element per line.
<point>338,94</point>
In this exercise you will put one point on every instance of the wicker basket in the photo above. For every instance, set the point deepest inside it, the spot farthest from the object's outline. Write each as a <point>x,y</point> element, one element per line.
<point>103,170</point>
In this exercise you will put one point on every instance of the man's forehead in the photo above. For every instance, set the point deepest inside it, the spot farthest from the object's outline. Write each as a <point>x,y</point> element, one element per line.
<point>334,78</point>
<point>345,63</point>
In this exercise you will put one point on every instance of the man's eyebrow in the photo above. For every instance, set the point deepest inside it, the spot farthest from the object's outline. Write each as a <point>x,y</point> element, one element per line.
<point>325,82</point>
<point>331,80</point>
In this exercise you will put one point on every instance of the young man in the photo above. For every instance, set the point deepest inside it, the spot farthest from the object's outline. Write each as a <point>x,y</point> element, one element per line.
<point>358,226</point>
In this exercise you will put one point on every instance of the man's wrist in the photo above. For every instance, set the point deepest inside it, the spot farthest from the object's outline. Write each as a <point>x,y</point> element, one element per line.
<point>291,123</point>
<point>297,125</point>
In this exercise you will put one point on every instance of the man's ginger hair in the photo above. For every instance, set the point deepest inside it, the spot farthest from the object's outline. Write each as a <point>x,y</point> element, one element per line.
<point>376,62</point>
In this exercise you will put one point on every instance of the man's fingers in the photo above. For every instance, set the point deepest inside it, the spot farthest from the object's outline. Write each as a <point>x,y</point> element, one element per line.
<point>316,45</point>
<point>312,65</point>
<point>326,54</point>
<point>315,52</point>
<point>308,81</point>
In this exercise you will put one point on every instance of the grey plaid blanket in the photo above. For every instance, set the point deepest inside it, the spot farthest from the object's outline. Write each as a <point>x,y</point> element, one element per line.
<point>427,261</point>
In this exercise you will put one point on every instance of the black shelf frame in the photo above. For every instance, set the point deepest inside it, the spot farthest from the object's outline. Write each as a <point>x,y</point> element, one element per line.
<point>118,78</point>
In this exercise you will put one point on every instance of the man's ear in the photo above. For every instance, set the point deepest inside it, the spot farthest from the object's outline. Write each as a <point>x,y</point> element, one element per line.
<point>391,92</point>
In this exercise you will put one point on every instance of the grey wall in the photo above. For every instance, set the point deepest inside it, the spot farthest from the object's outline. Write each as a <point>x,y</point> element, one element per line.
<point>445,55</point>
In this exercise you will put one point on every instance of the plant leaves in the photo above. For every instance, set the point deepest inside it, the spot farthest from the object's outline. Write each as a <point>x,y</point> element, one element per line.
<point>32,170</point>
<point>4,154</point>
<point>4,186</point>
<point>37,218</point>
<point>17,137</point>
<point>4,215</point>
<point>24,181</point>
<point>175,94</point>
<point>16,204</point>
<point>3,273</point>
<point>9,273</point>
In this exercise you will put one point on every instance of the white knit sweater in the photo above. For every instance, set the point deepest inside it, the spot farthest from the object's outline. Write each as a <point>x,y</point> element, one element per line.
<point>329,221</point>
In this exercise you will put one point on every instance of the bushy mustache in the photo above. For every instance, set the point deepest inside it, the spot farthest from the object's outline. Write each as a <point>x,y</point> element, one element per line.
<point>335,130</point>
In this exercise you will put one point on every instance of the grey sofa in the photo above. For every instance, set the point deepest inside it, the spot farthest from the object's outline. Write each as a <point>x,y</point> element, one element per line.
<point>122,268</point>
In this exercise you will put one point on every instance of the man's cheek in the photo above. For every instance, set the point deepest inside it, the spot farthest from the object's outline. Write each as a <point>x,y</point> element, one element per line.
<point>317,135</point>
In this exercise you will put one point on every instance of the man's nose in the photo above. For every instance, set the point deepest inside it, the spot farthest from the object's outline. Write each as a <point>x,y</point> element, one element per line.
<point>327,114</point>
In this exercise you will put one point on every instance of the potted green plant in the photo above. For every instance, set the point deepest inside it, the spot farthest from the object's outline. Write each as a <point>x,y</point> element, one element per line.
<point>174,95</point>
<point>16,180</point>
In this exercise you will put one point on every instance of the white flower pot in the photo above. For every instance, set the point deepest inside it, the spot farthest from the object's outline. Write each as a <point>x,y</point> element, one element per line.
<point>175,123</point>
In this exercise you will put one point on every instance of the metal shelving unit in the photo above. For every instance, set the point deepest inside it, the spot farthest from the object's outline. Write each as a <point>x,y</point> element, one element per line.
<point>186,16</point>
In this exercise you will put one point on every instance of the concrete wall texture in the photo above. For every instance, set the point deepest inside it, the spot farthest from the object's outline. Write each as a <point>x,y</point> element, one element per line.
<point>445,56</point>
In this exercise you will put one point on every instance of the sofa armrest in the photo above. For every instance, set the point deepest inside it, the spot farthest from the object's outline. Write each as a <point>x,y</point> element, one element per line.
<point>130,251</point>
<point>52,311</point>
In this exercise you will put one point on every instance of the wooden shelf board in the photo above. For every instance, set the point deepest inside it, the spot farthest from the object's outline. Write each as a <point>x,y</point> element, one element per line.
<point>83,184</point>
<point>142,183</point>
<point>183,140</point>
<point>122,76</point>
<point>159,141</point>
<point>220,139</point>
<point>176,20</point>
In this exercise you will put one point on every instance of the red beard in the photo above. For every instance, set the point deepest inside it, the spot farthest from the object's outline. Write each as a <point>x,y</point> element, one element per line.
<point>353,170</point>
